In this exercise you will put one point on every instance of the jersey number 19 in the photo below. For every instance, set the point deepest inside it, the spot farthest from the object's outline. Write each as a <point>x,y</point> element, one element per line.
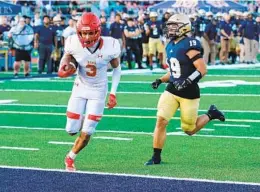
<point>175,67</point>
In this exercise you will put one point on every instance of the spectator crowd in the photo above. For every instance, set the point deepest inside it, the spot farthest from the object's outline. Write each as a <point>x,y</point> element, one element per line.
<point>226,38</point>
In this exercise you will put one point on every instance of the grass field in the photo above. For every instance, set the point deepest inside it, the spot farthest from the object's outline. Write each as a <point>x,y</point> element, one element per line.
<point>35,120</point>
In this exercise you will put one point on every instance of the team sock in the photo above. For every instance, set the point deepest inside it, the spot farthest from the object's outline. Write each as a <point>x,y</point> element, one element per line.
<point>72,155</point>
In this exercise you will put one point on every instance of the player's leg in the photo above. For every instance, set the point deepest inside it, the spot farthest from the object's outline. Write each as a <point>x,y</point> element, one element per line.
<point>95,109</point>
<point>190,122</point>
<point>75,110</point>
<point>94,113</point>
<point>167,107</point>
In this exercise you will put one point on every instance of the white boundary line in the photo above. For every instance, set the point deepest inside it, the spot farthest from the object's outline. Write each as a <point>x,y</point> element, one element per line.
<point>127,92</point>
<point>126,108</point>
<point>117,116</point>
<point>19,148</point>
<point>178,133</point>
<point>131,175</point>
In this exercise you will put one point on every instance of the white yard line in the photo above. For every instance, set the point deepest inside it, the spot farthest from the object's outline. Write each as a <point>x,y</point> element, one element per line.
<point>99,137</point>
<point>127,92</point>
<point>32,128</point>
<point>231,125</point>
<point>61,143</point>
<point>19,148</point>
<point>229,137</point>
<point>72,81</point>
<point>7,101</point>
<point>126,108</point>
<point>116,116</point>
<point>214,136</point>
<point>114,138</point>
<point>131,175</point>
<point>178,133</point>
<point>233,76</point>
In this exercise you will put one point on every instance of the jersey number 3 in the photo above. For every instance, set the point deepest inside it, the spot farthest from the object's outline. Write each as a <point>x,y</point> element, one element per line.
<point>175,67</point>
<point>91,70</point>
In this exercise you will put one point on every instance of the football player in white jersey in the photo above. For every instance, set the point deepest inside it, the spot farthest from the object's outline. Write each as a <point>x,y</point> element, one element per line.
<point>92,53</point>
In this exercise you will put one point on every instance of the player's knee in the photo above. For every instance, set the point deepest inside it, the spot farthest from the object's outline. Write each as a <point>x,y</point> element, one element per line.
<point>189,129</point>
<point>190,133</point>
<point>161,123</point>
<point>74,123</point>
<point>90,124</point>
<point>85,136</point>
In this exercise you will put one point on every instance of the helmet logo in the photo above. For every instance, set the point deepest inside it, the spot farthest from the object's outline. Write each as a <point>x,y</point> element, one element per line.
<point>85,28</point>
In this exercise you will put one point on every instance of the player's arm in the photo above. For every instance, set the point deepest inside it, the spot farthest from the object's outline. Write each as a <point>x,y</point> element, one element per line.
<point>201,70</point>
<point>198,62</point>
<point>163,79</point>
<point>115,81</point>
<point>67,66</point>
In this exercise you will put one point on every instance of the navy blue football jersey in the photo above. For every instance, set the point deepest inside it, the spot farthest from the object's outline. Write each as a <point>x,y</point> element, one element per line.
<point>181,66</point>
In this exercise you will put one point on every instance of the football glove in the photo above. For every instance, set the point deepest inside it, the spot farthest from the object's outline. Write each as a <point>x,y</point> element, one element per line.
<point>111,101</point>
<point>182,84</point>
<point>156,83</point>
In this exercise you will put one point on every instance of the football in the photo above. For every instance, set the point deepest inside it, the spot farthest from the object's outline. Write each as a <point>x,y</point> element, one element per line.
<point>69,59</point>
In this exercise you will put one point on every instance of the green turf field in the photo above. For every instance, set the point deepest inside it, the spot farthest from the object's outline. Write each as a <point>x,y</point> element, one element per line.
<point>222,151</point>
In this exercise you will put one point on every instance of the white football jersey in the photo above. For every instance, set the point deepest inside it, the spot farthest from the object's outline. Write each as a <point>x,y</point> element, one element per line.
<point>92,69</point>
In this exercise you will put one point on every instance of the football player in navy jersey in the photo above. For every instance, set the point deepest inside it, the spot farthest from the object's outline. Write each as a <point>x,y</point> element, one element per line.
<point>186,68</point>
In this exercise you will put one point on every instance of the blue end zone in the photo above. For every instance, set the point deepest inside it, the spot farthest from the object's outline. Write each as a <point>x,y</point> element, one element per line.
<point>12,180</point>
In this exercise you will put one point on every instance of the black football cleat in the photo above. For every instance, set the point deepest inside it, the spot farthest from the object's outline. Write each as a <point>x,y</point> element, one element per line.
<point>214,113</point>
<point>153,162</point>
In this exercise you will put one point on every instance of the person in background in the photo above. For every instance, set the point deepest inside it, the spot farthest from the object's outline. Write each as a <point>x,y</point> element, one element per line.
<point>37,20</point>
<point>104,28</point>
<point>256,40</point>
<point>249,31</point>
<point>144,40</point>
<point>4,27</point>
<point>27,20</point>
<point>154,31</point>
<point>22,36</point>
<point>226,35</point>
<point>71,29</point>
<point>132,33</point>
<point>208,41</point>
<point>44,40</point>
<point>117,31</point>
<point>56,54</point>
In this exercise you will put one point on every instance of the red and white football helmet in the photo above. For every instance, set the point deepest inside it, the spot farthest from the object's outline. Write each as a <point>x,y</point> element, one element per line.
<point>90,24</point>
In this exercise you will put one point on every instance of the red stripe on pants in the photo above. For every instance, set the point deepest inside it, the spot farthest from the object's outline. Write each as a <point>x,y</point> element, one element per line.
<point>73,115</point>
<point>94,117</point>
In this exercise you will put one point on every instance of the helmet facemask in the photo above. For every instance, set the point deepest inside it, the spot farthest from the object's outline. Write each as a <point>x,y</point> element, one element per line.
<point>175,30</point>
<point>88,37</point>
